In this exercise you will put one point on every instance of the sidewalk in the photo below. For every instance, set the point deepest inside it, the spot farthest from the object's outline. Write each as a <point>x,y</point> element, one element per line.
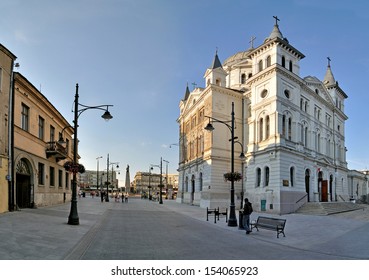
<point>44,233</point>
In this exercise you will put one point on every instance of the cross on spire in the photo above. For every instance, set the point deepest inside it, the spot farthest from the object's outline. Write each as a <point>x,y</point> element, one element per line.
<point>252,41</point>
<point>194,85</point>
<point>329,61</point>
<point>276,20</point>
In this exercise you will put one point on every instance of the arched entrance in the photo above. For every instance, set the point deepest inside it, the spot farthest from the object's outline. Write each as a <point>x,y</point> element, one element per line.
<point>24,186</point>
<point>307,183</point>
<point>192,188</point>
<point>323,187</point>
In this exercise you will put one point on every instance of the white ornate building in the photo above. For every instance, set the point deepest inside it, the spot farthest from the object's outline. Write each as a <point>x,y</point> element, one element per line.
<point>291,129</point>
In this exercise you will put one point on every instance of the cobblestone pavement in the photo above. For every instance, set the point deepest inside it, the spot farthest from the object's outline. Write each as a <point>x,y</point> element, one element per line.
<point>142,229</point>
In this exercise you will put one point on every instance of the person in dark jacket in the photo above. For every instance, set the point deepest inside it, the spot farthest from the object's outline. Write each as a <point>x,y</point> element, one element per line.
<point>247,210</point>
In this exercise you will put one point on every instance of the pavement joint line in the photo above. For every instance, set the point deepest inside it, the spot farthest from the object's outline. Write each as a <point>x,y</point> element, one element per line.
<point>85,242</point>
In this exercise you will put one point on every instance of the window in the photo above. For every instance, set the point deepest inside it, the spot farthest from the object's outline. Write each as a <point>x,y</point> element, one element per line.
<point>60,179</point>
<point>292,176</point>
<point>243,78</point>
<point>289,128</point>
<point>266,176</point>
<point>283,61</point>
<point>25,117</point>
<point>261,124</point>
<point>258,177</point>
<point>267,127</point>
<point>260,65</point>
<point>1,76</point>
<point>41,128</point>
<point>52,176</point>
<point>41,173</point>
<point>268,61</point>
<point>287,94</point>
<point>264,93</point>
<point>290,65</point>
<point>52,133</point>
<point>67,180</point>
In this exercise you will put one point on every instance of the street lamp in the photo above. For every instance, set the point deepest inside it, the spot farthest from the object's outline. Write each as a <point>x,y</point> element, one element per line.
<point>73,218</point>
<point>97,179</point>
<point>161,180</point>
<point>232,221</point>
<point>166,179</point>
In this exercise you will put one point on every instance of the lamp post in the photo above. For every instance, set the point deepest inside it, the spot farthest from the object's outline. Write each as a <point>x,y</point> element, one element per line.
<point>166,178</point>
<point>73,218</point>
<point>242,157</point>
<point>161,180</point>
<point>97,178</point>
<point>232,221</point>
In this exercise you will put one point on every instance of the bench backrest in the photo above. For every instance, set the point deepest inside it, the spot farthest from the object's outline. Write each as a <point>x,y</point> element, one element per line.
<point>271,221</point>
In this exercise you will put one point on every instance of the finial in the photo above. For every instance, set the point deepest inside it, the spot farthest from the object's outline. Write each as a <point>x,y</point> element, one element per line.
<point>276,20</point>
<point>329,61</point>
<point>252,41</point>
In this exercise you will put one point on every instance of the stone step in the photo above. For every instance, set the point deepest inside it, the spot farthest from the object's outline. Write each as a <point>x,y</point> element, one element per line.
<point>327,208</point>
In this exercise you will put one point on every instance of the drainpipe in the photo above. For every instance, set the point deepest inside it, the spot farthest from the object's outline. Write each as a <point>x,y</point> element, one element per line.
<point>10,176</point>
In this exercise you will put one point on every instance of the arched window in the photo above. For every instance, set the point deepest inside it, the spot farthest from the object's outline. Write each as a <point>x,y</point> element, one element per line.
<point>243,78</point>
<point>258,177</point>
<point>290,65</point>
<point>260,65</point>
<point>268,61</point>
<point>284,125</point>
<point>261,124</point>
<point>292,176</point>
<point>267,127</point>
<point>266,176</point>
<point>289,128</point>
<point>283,61</point>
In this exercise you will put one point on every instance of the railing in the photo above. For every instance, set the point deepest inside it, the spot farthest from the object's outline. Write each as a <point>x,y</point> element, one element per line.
<point>301,198</point>
<point>55,149</point>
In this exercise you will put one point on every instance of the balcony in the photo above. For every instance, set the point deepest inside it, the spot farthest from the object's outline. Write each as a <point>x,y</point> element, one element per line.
<point>56,150</point>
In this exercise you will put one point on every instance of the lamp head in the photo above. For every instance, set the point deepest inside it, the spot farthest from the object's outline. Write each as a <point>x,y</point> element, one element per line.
<point>107,116</point>
<point>242,156</point>
<point>209,127</point>
<point>61,140</point>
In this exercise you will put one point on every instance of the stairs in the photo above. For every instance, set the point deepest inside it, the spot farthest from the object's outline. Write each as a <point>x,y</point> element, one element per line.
<point>327,208</point>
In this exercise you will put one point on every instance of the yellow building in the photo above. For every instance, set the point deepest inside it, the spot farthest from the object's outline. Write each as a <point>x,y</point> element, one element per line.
<point>39,178</point>
<point>6,70</point>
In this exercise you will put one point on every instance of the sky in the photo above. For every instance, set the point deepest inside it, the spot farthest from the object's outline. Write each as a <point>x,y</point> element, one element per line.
<point>139,55</point>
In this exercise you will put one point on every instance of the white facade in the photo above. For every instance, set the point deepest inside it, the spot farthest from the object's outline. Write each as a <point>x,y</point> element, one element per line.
<point>292,130</point>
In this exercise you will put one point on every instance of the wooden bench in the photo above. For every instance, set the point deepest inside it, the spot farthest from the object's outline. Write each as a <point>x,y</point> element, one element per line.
<point>216,213</point>
<point>270,224</point>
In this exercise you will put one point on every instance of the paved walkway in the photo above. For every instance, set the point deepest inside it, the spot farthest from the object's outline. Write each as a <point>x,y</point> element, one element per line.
<point>43,234</point>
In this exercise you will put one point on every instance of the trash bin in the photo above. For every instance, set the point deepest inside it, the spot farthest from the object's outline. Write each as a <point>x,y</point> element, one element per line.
<point>240,218</point>
<point>263,205</point>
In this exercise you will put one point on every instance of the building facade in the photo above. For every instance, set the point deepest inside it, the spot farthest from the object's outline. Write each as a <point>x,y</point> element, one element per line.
<point>39,176</point>
<point>291,129</point>
<point>147,184</point>
<point>6,73</point>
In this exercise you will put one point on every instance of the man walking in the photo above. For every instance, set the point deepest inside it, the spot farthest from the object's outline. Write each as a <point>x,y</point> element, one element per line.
<point>247,210</point>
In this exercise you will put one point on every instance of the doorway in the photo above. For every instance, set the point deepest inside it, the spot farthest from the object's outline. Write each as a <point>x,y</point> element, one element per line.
<point>307,183</point>
<point>24,186</point>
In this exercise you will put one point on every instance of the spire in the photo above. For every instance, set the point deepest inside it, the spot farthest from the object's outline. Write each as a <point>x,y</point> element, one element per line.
<point>276,33</point>
<point>187,93</point>
<point>328,78</point>
<point>216,61</point>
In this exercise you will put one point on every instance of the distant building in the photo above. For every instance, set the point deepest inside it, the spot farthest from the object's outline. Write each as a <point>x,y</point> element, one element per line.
<point>291,129</point>
<point>39,176</point>
<point>88,180</point>
<point>147,183</point>
<point>6,73</point>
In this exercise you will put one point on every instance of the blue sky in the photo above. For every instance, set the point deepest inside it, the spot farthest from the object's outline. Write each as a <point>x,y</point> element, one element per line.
<point>140,54</point>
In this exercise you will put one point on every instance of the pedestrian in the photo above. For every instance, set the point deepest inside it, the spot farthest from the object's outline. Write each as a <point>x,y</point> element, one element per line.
<point>247,210</point>
<point>122,197</point>
<point>126,197</point>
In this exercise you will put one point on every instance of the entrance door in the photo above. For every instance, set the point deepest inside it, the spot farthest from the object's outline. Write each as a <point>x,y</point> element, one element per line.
<point>307,183</point>
<point>23,191</point>
<point>324,191</point>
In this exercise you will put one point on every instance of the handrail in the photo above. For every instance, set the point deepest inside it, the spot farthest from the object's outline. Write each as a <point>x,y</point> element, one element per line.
<point>341,197</point>
<point>301,198</point>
